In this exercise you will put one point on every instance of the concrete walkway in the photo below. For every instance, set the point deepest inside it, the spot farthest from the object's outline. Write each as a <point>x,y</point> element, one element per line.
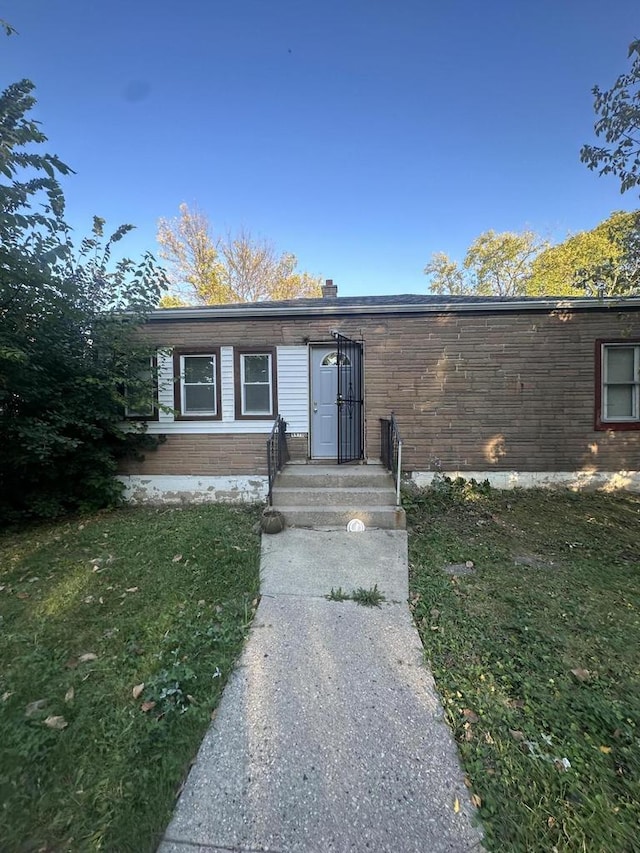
<point>330,734</point>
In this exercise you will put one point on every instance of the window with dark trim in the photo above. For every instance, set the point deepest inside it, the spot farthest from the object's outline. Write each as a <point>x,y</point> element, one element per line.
<point>197,383</point>
<point>255,383</point>
<point>617,384</point>
<point>141,391</point>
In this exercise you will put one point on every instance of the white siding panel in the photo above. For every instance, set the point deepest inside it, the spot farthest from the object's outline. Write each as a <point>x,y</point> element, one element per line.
<point>293,387</point>
<point>227,390</point>
<point>165,385</point>
<point>198,427</point>
<point>293,396</point>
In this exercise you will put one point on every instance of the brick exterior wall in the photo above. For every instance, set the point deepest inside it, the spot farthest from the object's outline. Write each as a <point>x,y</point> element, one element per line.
<point>477,392</point>
<point>497,392</point>
<point>204,455</point>
<point>298,447</point>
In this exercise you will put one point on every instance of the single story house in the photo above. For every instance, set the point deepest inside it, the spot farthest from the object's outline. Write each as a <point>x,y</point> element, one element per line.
<point>519,391</point>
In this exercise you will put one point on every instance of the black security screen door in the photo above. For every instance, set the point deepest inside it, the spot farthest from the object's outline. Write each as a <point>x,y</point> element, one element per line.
<point>349,402</point>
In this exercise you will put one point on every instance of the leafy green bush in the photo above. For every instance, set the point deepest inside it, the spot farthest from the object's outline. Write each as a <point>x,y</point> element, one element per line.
<point>68,321</point>
<point>445,491</point>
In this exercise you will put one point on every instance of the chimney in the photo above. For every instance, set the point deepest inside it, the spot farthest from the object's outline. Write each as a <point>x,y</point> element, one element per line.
<point>329,289</point>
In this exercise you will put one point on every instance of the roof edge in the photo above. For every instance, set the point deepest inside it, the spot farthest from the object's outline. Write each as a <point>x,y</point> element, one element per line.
<point>264,309</point>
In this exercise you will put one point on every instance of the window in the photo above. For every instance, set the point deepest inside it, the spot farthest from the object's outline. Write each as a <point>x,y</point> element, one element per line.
<point>331,359</point>
<point>140,391</point>
<point>255,383</point>
<point>618,391</point>
<point>197,390</point>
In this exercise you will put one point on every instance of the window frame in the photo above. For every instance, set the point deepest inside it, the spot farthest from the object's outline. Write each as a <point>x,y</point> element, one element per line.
<point>178,356</point>
<point>153,367</point>
<point>602,423</point>
<point>346,361</point>
<point>238,364</point>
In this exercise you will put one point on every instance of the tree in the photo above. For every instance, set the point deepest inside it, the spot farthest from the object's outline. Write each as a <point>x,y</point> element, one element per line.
<point>496,264</point>
<point>617,275</point>
<point>192,252</point>
<point>446,276</point>
<point>236,268</point>
<point>604,261</point>
<point>619,124</point>
<point>68,344</point>
<point>171,300</point>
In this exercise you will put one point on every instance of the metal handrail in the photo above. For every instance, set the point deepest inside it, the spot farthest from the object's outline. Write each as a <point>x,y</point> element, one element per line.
<point>277,453</point>
<point>391,450</point>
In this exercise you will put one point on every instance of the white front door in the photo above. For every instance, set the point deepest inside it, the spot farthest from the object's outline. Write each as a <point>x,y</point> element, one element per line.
<point>324,409</point>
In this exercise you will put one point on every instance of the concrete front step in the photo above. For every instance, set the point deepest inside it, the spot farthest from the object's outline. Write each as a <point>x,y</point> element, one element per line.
<point>335,476</point>
<point>330,496</point>
<point>385,517</point>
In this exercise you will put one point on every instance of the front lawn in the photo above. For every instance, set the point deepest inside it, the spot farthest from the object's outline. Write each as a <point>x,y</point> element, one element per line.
<point>536,653</point>
<point>118,633</point>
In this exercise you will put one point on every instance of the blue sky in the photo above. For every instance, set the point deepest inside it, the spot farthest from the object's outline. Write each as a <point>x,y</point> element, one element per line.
<point>362,135</point>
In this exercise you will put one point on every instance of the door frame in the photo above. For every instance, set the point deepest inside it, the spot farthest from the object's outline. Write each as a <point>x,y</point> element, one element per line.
<point>314,347</point>
<point>333,344</point>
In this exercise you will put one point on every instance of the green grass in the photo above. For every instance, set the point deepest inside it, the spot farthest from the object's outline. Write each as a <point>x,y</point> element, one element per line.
<point>162,598</point>
<point>338,595</point>
<point>537,657</point>
<point>371,597</point>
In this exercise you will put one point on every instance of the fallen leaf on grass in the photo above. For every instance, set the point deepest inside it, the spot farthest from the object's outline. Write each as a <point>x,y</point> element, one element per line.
<point>69,695</point>
<point>6,695</point>
<point>516,734</point>
<point>35,707</point>
<point>86,657</point>
<point>137,690</point>
<point>132,589</point>
<point>177,558</point>
<point>476,800</point>
<point>456,805</point>
<point>147,706</point>
<point>605,749</point>
<point>581,674</point>
<point>470,715</point>
<point>22,595</point>
<point>56,723</point>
